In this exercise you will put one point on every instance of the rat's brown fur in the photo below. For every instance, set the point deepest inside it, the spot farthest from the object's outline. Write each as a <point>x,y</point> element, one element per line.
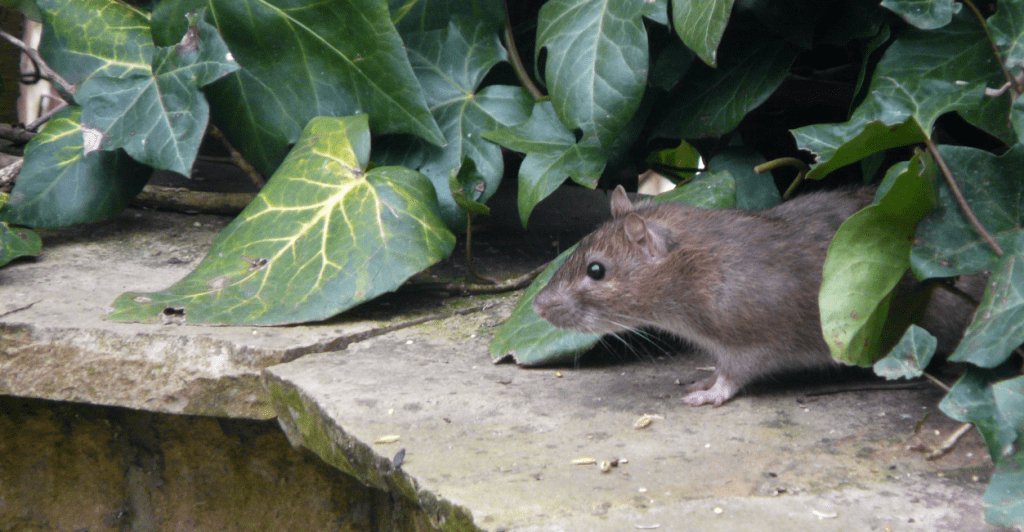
<point>743,285</point>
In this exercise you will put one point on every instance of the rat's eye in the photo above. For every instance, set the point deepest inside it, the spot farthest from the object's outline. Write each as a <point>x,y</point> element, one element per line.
<point>595,270</point>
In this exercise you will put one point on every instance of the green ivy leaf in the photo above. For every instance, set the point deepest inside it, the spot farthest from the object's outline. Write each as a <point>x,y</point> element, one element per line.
<point>867,258</point>
<point>159,118</point>
<point>95,37</point>
<point>450,64</point>
<point>552,154</point>
<point>947,244</point>
<point>909,357</point>
<point>467,187</point>
<point>306,59</point>
<point>1007,29</point>
<point>60,186</point>
<point>971,400</point>
<point>322,236</point>
<point>531,340</point>
<point>712,101</point>
<point>998,326</point>
<point>924,14</point>
<point>753,191</point>
<point>17,242</point>
<point>701,24</point>
<point>415,16</point>
<point>921,76</point>
<point>597,63</point>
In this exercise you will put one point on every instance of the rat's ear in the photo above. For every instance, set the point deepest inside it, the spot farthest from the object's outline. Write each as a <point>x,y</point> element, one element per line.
<point>650,243</point>
<point>620,203</point>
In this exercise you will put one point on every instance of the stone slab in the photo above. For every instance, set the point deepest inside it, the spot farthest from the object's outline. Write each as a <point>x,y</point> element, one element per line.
<point>497,442</point>
<point>55,344</point>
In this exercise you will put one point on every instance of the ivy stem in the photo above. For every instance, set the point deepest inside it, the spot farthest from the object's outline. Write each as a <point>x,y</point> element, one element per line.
<point>469,253</point>
<point>786,161</point>
<point>517,62</point>
<point>1018,89</point>
<point>47,72</point>
<point>936,381</point>
<point>959,197</point>
<point>237,159</point>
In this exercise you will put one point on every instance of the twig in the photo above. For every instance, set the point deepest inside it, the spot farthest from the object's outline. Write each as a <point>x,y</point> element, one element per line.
<point>48,72</point>
<point>517,62</point>
<point>786,161</point>
<point>61,104</point>
<point>949,443</point>
<point>10,172</point>
<point>475,289</point>
<point>254,175</point>
<point>192,201</point>
<point>1018,89</point>
<point>15,134</point>
<point>935,380</point>
<point>964,207</point>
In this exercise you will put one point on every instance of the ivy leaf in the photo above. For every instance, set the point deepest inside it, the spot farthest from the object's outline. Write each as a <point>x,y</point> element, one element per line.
<point>712,101</point>
<point>414,16</point>
<point>531,340</point>
<point>322,236</point>
<point>753,191</point>
<point>972,400</point>
<point>1005,494</point>
<point>450,64</point>
<point>552,154</point>
<point>597,63</point>
<point>1007,29</point>
<point>306,60</point>
<point>83,38</point>
<point>17,242</point>
<point>909,357</point>
<point>467,188</point>
<point>159,119</point>
<point>701,24</point>
<point>921,76</point>
<point>998,326</point>
<point>60,186</point>
<point>924,14</point>
<point>947,244</point>
<point>867,258</point>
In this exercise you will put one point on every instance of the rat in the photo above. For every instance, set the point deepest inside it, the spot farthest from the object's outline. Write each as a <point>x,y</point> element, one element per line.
<point>742,285</point>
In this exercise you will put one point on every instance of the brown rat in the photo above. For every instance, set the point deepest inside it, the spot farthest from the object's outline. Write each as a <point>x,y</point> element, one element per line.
<point>743,285</point>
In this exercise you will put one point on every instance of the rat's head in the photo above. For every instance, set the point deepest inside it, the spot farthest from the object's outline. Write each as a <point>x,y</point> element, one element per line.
<point>610,281</point>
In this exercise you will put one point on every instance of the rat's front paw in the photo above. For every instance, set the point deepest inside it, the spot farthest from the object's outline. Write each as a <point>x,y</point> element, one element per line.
<point>719,392</point>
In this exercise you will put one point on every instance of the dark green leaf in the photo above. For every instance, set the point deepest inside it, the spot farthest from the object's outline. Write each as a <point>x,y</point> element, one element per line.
<point>531,340</point>
<point>311,59</point>
<point>712,191</point>
<point>753,191</point>
<point>971,400</point>
<point>322,236</point>
<point>26,7</point>
<point>1005,494</point>
<point>925,14</point>
<point>552,154</point>
<point>712,101</point>
<point>17,242</point>
<point>867,258</point>
<point>159,118</point>
<point>947,244</point>
<point>450,64</point>
<point>656,10</point>
<point>597,63</point>
<point>60,186</point>
<point>1007,29</point>
<point>467,187</point>
<point>921,76</point>
<point>910,356</point>
<point>414,16</point>
<point>701,24</point>
<point>998,326</point>
<point>87,37</point>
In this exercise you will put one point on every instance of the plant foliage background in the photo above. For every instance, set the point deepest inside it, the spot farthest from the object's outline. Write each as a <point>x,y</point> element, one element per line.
<point>364,112</point>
